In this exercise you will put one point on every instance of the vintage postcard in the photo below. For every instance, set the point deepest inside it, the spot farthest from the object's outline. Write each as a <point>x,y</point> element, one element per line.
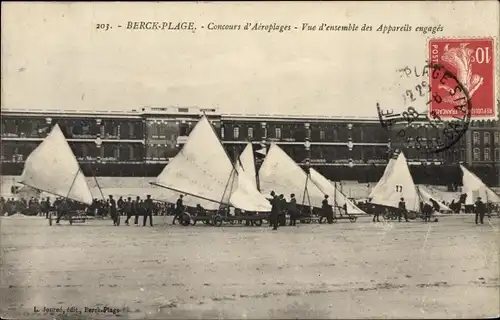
<point>250,160</point>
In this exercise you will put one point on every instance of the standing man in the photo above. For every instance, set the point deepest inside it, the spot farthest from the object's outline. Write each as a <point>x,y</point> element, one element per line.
<point>292,210</point>
<point>479,210</point>
<point>148,211</point>
<point>376,214</point>
<point>128,209</point>
<point>46,207</point>
<point>275,210</point>
<point>402,210</point>
<point>136,209</point>
<point>327,210</point>
<point>179,209</point>
<point>113,212</point>
<point>283,211</point>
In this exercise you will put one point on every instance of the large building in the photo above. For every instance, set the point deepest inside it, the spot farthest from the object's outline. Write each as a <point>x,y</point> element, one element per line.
<point>141,142</point>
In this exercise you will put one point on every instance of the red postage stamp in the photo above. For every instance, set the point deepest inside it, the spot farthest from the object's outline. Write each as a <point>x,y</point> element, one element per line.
<point>472,62</point>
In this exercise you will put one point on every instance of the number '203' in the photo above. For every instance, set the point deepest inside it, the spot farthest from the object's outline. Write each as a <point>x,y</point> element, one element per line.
<point>103,26</point>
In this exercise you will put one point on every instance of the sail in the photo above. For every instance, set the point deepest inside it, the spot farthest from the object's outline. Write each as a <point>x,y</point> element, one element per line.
<point>398,184</point>
<point>427,196</point>
<point>247,163</point>
<point>279,173</point>
<point>382,180</point>
<point>202,169</point>
<point>334,194</point>
<point>436,194</point>
<point>52,167</point>
<point>474,187</point>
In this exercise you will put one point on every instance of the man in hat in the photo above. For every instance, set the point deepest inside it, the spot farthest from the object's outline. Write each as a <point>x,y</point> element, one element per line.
<point>275,210</point>
<point>479,210</point>
<point>282,213</point>
<point>402,210</point>
<point>327,210</point>
<point>179,209</point>
<point>148,211</point>
<point>292,210</point>
<point>113,212</point>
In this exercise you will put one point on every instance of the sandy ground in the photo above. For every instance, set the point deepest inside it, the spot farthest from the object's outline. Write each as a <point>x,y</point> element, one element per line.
<point>448,269</point>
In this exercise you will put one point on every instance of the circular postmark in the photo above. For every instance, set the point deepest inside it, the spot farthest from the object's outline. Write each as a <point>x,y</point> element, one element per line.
<point>425,130</point>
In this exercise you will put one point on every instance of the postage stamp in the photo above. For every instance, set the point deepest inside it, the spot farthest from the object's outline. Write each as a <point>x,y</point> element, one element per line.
<point>472,61</point>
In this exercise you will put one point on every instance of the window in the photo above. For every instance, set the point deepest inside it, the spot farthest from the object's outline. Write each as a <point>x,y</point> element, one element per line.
<point>462,154</point>
<point>475,138</point>
<point>250,133</point>
<point>236,133</point>
<point>496,138</point>
<point>487,154</point>
<point>486,138</point>
<point>476,154</point>
<point>277,132</point>
<point>222,132</point>
<point>497,154</point>
<point>322,135</point>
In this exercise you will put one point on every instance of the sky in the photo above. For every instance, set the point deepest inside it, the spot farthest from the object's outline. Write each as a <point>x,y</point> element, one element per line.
<point>54,57</point>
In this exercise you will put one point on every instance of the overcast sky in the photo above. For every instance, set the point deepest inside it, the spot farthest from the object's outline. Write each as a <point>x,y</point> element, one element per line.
<point>53,56</point>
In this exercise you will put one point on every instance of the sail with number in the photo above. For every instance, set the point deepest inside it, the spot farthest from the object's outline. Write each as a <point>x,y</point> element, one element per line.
<point>398,184</point>
<point>474,187</point>
<point>279,173</point>
<point>247,164</point>
<point>334,194</point>
<point>203,171</point>
<point>52,167</point>
<point>382,180</point>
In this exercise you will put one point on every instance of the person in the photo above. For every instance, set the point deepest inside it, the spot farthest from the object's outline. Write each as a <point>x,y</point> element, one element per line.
<point>479,210</point>
<point>148,211</point>
<point>113,212</point>
<point>402,210</point>
<point>120,204</point>
<point>179,209</point>
<point>327,210</point>
<point>427,210</point>
<point>435,205</point>
<point>136,207</point>
<point>128,209</point>
<point>62,209</point>
<point>275,210</point>
<point>46,207</point>
<point>292,210</point>
<point>345,209</point>
<point>273,195</point>
<point>282,213</point>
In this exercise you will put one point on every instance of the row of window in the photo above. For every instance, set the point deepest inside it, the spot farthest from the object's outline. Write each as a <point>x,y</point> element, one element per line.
<point>476,154</point>
<point>336,134</point>
<point>476,138</point>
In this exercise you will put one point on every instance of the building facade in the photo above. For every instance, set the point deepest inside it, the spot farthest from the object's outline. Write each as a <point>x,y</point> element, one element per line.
<point>141,142</point>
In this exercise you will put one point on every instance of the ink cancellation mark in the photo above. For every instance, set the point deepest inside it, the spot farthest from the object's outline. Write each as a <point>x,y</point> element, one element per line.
<point>412,126</point>
<point>473,62</point>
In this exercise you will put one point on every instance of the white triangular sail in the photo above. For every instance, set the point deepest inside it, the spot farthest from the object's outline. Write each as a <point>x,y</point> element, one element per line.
<point>398,184</point>
<point>334,194</point>
<point>474,187</point>
<point>52,167</point>
<point>203,170</point>
<point>247,163</point>
<point>435,193</point>
<point>383,179</point>
<point>427,196</point>
<point>279,173</point>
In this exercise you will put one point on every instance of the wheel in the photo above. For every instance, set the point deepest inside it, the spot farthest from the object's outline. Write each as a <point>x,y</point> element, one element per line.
<point>217,221</point>
<point>335,220</point>
<point>50,218</point>
<point>307,220</point>
<point>185,219</point>
<point>352,219</point>
<point>258,223</point>
<point>193,222</point>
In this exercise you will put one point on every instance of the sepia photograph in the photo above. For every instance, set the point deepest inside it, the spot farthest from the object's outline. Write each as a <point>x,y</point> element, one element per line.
<point>250,160</point>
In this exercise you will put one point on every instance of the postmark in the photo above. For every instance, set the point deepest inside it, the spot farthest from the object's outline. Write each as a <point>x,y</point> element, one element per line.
<point>472,61</point>
<point>425,131</point>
